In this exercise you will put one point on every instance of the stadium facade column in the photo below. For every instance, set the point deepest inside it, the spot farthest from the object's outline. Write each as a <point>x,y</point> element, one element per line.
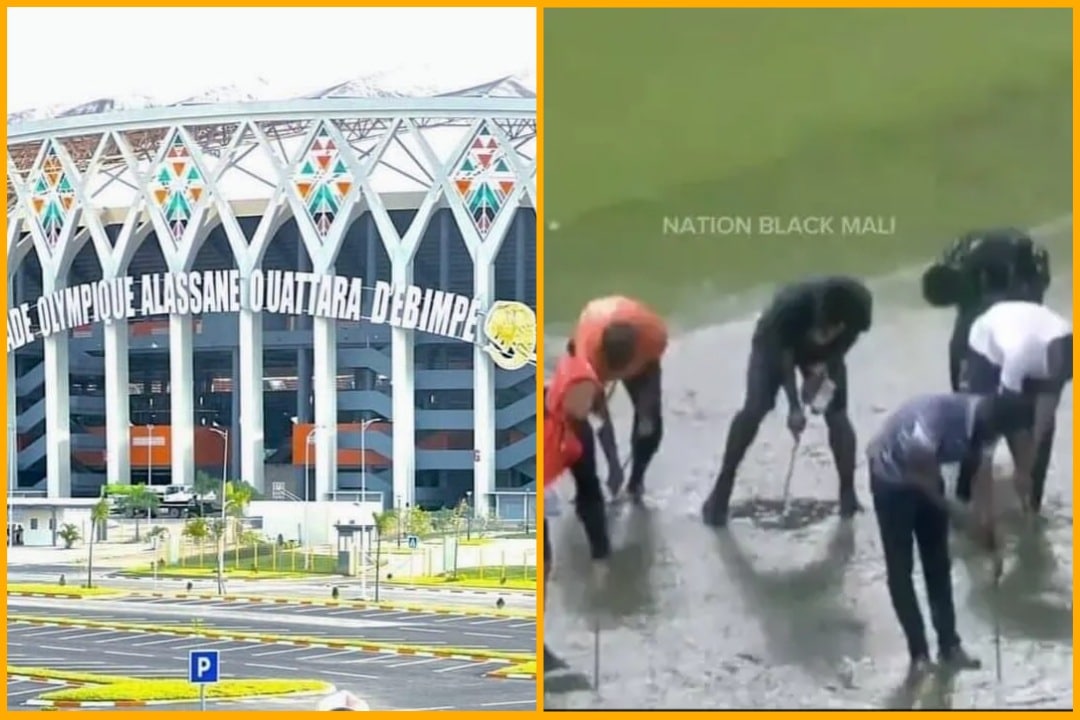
<point>57,398</point>
<point>484,388</point>
<point>182,399</point>
<point>324,340</point>
<point>252,437</point>
<point>117,404</point>
<point>12,423</point>
<point>56,259</point>
<point>322,250</point>
<point>117,336</point>
<point>403,390</point>
<point>14,280</point>
<point>484,250</point>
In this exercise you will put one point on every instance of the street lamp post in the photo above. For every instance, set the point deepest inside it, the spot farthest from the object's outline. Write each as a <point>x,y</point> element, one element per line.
<point>224,435</point>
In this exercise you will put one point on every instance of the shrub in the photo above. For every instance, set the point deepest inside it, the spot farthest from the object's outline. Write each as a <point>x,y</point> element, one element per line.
<point>148,690</point>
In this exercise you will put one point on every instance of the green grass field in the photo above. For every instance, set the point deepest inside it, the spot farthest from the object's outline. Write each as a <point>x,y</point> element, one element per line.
<point>939,119</point>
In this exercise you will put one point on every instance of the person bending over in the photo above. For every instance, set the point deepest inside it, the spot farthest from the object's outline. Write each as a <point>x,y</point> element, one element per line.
<point>810,327</point>
<point>1020,348</point>
<point>911,503</point>
<point>979,268</point>
<point>567,403</point>
<point>624,341</point>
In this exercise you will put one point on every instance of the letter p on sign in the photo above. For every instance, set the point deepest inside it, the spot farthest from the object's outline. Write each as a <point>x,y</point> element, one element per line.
<point>204,666</point>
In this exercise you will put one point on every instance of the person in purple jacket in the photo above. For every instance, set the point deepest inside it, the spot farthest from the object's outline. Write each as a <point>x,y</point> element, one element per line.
<point>911,502</point>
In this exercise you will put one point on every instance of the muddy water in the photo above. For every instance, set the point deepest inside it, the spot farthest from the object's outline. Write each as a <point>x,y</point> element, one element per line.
<point>793,612</point>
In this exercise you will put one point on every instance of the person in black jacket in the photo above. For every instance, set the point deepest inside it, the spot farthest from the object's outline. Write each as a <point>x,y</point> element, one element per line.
<point>978,269</point>
<point>810,326</point>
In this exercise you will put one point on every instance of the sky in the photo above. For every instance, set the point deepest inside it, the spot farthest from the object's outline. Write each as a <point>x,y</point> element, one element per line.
<point>170,54</point>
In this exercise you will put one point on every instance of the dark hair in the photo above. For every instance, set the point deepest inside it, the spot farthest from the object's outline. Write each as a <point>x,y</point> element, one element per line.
<point>941,285</point>
<point>570,347</point>
<point>847,301</point>
<point>619,345</point>
<point>1008,413</point>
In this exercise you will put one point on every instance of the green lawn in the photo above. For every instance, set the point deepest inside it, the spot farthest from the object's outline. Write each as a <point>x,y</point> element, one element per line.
<point>936,119</point>
<point>520,577</point>
<point>264,560</point>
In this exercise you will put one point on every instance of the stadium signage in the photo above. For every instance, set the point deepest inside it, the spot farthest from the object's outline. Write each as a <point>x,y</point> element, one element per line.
<point>506,329</point>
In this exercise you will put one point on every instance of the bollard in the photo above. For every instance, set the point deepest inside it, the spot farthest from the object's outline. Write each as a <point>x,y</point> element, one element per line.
<point>500,603</point>
<point>189,586</point>
<point>335,592</point>
<point>63,580</point>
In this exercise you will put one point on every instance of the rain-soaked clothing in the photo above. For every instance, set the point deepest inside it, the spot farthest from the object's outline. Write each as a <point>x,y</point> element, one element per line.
<point>978,269</point>
<point>569,445</point>
<point>1019,347</point>
<point>782,329</point>
<point>941,427</point>
<point>641,377</point>
<point>564,447</point>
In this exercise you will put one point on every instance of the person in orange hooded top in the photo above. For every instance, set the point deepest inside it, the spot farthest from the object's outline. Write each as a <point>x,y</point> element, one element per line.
<point>568,399</point>
<point>624,341</point>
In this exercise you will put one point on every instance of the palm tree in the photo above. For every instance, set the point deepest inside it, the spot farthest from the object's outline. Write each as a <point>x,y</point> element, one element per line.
<point>238,495</point>
<point>141,500</point>
<point>206,484</point>
<point>99,514</point>
<point>69,533</point>
<point>197,529</point>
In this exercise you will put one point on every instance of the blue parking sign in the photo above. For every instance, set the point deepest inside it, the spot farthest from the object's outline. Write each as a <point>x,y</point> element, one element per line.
<point>414,542</point>
<point>204,666</point>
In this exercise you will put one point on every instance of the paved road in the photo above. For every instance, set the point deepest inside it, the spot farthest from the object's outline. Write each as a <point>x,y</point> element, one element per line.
<point>352,588</point>
<point>458,631</point>
<point>385,681</point>
<point>766,616</point>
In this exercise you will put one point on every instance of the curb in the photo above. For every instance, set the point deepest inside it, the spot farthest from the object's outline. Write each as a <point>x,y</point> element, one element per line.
<point>509,614</point>
<point>511,676</point>
<point>266,639</point>
<point>474,590</point>
<point>465,611</point>
<point>50,680</point>
<point>449,591</point>
<point>70,704</point>
<point>66,596</point>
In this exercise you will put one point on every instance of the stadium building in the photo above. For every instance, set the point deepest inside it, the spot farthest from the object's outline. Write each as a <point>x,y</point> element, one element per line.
<point>318,296</point>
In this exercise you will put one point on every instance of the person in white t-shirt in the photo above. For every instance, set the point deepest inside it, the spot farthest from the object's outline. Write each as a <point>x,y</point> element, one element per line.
<point>1022,348</point>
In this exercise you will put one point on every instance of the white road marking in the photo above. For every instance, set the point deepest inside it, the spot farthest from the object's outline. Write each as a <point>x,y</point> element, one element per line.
<point>159,642</point>
<point>509,702</point>
<point>454,668</point>
<point>338,653</point>
<point>272,667</point>
<point>279,652</point>
<point>422,661</point>
<point>349,675</point>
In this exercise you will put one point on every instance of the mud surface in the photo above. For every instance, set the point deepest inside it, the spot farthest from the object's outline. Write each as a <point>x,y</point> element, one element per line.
<point>793,612</point>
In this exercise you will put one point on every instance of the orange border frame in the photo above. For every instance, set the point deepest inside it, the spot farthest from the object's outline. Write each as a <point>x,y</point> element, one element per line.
<point>253,714</point>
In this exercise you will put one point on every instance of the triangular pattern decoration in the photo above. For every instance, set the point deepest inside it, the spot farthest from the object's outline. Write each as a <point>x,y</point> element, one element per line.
<point>484,179</point>
<point>52,197</point>
<point>322,181</point>
<point>176,187</point>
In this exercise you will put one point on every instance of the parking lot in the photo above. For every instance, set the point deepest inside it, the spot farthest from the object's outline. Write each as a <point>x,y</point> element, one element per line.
<point>380,626</point>
<point>386,681</point>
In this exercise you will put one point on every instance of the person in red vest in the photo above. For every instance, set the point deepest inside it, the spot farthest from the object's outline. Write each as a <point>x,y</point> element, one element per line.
<point>568,439</point>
